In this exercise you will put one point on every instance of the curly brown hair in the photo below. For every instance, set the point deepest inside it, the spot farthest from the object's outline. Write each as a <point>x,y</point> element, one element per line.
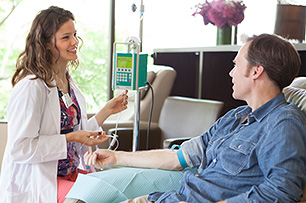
<point>36,59</point>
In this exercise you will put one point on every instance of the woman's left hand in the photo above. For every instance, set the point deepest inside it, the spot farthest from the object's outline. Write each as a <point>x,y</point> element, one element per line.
<point>86,137</point>
<point>117,104</point>
<point>113,106</point>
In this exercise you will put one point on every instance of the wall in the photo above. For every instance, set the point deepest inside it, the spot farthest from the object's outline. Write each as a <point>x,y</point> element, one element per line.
<point>3,135</point>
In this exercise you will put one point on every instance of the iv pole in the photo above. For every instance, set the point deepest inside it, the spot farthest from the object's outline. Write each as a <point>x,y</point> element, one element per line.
<point>135,145</point>
<point>138,93</point>
<point>138,46</point>
<point>141,24</point>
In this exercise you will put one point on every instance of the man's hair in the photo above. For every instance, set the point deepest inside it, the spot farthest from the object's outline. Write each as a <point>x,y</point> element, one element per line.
<point>37,58</point>
<point>277,55</point>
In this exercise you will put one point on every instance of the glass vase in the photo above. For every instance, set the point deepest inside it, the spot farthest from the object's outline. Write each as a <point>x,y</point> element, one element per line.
<point>224,35</point>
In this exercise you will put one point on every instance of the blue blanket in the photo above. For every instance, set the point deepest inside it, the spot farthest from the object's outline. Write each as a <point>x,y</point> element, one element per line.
<point>120,184</point>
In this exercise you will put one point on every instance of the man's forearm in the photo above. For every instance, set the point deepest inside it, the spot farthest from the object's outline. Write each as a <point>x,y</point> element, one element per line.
<point>161,159</point>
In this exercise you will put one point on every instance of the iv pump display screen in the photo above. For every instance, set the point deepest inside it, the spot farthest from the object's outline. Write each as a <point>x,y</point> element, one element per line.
<point>124,62</point>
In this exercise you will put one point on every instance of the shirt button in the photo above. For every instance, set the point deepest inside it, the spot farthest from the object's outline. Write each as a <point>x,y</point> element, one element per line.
<point>215,160</point>
<point>222,140</point>
<point>239,146</point>
<point>196,175</point>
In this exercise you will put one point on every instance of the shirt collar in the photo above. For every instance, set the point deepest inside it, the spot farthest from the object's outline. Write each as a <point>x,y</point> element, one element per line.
<point>263,110</point>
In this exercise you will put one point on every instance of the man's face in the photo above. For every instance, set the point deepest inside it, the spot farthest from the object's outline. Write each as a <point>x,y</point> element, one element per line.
<point>241,75</point>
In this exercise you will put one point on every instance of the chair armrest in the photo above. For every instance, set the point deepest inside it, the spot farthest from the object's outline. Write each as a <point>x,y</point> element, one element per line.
<point>174,141</point>
<point>125,138</point>
<point>109,124</point>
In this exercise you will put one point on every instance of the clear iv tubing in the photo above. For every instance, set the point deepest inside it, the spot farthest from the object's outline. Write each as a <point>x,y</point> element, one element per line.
<point>114,137</point>
<point>84,143</point>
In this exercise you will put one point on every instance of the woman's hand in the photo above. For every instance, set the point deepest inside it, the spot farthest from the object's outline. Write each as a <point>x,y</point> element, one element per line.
<point>86,137</point>
<point>117,104</point>
<point>113,106</point>
<point>101,157</point>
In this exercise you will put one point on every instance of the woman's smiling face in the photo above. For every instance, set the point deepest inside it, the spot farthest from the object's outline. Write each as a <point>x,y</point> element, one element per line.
<point>66,41</point>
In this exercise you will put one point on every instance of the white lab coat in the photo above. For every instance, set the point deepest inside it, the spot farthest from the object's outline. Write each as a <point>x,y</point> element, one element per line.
<point>34,144</point>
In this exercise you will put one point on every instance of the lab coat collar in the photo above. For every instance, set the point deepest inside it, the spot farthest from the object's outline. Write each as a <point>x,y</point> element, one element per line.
<point>54,104</point>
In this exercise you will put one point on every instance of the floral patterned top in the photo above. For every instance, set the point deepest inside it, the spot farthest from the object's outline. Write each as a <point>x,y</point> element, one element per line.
<point>70,117</point>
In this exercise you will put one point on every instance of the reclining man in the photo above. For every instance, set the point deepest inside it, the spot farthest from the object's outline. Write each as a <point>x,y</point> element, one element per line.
<point>254,153</point>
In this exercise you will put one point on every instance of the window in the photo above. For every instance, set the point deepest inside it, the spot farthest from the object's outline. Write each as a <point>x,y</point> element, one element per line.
<point>166,24</point>
<point>92,25</point>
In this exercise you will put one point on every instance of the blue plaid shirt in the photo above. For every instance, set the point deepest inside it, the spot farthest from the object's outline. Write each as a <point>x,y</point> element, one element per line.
<point>247,156</point>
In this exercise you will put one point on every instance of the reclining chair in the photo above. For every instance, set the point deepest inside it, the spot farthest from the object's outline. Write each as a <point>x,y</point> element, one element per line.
<point>180,117</point>
<point>295,93</point>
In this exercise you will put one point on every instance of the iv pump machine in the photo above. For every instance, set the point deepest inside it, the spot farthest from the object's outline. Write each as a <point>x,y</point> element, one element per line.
<point>130,69</point>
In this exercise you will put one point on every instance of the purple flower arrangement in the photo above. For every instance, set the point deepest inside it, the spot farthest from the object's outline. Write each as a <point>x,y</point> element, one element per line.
<point>221,12</point>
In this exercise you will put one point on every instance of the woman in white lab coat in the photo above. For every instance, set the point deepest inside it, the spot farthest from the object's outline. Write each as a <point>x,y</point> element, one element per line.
<point>48,130</point>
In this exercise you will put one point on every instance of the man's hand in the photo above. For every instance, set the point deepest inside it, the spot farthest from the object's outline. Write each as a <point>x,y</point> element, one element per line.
<point>101,157</point>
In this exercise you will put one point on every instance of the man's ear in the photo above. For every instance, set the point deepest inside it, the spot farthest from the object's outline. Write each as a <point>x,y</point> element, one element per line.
<point>258,71</point>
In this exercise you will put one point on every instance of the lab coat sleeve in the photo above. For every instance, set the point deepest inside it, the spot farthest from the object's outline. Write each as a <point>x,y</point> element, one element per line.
<point>33,136</point>
<point>93,124</point>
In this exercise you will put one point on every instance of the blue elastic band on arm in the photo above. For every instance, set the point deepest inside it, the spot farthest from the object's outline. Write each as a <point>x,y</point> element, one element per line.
<point>181,158</point>
<point>175,146</point>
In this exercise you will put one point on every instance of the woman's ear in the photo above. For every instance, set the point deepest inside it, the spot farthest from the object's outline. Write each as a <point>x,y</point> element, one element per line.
<point>48,46</point>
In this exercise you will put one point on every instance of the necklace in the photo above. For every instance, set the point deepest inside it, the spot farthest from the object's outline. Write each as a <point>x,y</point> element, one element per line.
<point>60,82</point>
<point>65,97</point>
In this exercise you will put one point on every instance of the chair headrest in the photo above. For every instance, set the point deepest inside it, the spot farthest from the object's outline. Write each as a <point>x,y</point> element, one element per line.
<point>296,93</point>
<point>299,82</point>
